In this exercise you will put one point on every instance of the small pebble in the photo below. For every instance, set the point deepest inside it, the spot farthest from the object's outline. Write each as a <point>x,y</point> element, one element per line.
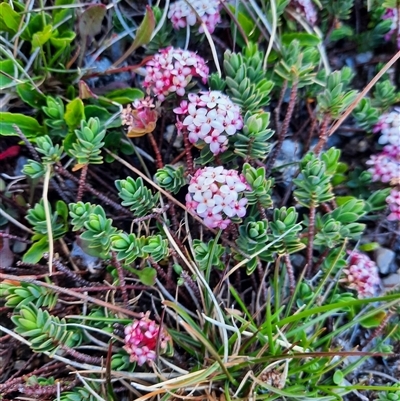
<point>384,259</point>
<point>392,281</point>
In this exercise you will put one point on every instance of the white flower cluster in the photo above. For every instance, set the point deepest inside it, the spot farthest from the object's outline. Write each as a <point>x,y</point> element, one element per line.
<point>385,166</point>
<point>214,195</point>
<point>182,13</point>
<point>210,117</point>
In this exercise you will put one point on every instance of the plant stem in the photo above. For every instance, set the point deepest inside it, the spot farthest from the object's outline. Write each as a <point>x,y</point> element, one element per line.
<point>60,169</point>
<point>323,134</point>
<point>82,182</point>
<point>159,162</point>
<point>121,278</point>
<point>290,272</point>
<point>277,111</point>
<point>283,131</point>
<point>188,152</point>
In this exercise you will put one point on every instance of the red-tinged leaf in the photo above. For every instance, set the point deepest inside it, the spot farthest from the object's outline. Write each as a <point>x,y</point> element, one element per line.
<point>85,92</point>
<point>91,20</point>
<point>143,35</point>
<point>12,151</point>
<point>145,30</point>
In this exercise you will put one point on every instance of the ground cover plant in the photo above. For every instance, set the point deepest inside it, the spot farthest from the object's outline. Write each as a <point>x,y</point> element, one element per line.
<point>199,200</point>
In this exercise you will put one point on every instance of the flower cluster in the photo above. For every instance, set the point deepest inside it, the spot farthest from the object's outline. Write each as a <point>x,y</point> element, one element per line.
<point>361,275</point>
<point>393,15</point>
<point>214,195</point>
<point>307,8</point>
<point>385,166</point>
<point>140,118</point>
<point>182,13</point>
<point>210,117</point>
<point>142,338</point>
<point>171,71</point>
<point>393,201</point>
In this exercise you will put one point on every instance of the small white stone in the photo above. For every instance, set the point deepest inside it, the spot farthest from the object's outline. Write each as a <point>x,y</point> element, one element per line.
<point>384,258</point>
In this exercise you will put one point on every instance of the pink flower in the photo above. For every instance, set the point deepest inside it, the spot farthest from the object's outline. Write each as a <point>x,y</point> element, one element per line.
<point>172,71</point>
<point>392,14</point>
<point>393,200</point>
<point>361,275</point>
<point>307,8</point>
<point>210,118</point>
<point>142,338</point>
<point>141,119</point>
<point>216,194</point>
<point>181,13</point>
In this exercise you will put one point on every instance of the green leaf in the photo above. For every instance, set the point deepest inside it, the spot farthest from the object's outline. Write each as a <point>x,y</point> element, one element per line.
<point>31,96</point>
<point>63,39</point>
<point>145,30</point>
<point>368,247</point>
<point>35,252</point>
<point>9,18</point>
<point>41,37</point>
<point>124,96</point>
<point>7,72</point>
<point>343,32</point>
<point>373,321</point>
<point>103,115</point>
<point>147,276</point>
<point>338,377</point>
<point>74,113</point>
<point>91,20</point>
<point>305,39</point>
<point>28,125</point>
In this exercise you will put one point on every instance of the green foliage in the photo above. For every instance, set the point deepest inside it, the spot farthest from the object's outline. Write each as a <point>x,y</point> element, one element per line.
<point>156,247</point>
<point>99,231</point>
<point>297,64</point>
<point>385,95</point>
<point>87,147</point>
<point>284,223</point>
<point>55,110</point>
<point>120,361</point>
<point>79,394</point>
<point>260,187</point>
<point>25,293</point>
<point>136,196</point>
<point>253,236</point>
<point>334,227</point>
<point>365,114</point>
<point>314,182</point>
<point>37,218</point>
<point>203,252</point>
<point>51,154</point>
<point>391,396</point>
<point>334,99</point>
<point>252,142</point>
<point>245,80</point>
<point>45,332</point>
<point>171,178</point>
<point>28,125</point>
<point>337,9</point>
<point>80,213</point>
<point>129,247</point>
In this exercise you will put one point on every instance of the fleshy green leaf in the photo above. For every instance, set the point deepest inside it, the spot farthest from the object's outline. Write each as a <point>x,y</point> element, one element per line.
<point>28,125</point>
<point>75,113</point>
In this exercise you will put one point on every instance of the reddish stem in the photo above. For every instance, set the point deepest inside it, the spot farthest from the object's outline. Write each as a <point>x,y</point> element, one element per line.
<point>323,135</point>
<point>283,131</point>
<point>156,150</point>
